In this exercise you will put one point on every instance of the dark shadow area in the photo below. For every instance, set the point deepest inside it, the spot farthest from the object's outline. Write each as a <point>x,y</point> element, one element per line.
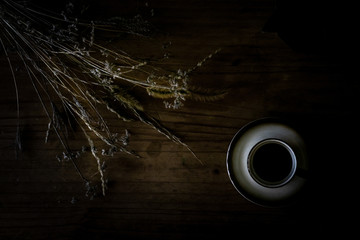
<point>322,27</point>
<point>332,148</point>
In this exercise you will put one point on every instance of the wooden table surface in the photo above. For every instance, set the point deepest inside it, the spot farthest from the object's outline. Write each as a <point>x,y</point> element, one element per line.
<point>167,193</point>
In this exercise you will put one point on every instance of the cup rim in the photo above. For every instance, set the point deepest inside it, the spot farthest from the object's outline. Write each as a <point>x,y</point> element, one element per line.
<point>258,178</point>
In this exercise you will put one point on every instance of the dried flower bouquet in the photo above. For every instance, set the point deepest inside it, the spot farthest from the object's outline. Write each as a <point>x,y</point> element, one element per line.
<point>62,59</point>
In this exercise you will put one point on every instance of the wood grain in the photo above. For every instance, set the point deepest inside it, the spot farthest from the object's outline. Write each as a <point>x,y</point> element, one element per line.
<point>167,193</point>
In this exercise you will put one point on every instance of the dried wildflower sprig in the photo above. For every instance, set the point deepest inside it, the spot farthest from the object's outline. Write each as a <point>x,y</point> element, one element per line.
<point>60,54</point>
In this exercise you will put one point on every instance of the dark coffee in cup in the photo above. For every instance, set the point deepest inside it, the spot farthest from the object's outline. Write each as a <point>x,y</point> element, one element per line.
<point>271,163</point>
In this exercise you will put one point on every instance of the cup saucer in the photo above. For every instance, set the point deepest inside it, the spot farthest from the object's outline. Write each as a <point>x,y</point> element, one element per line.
<point>242,175</point>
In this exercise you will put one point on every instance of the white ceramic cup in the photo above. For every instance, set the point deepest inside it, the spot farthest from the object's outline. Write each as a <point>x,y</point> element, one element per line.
<point>267,162</point>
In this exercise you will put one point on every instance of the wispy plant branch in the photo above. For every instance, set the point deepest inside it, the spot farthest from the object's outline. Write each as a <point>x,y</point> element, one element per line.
<point>61,53</point>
